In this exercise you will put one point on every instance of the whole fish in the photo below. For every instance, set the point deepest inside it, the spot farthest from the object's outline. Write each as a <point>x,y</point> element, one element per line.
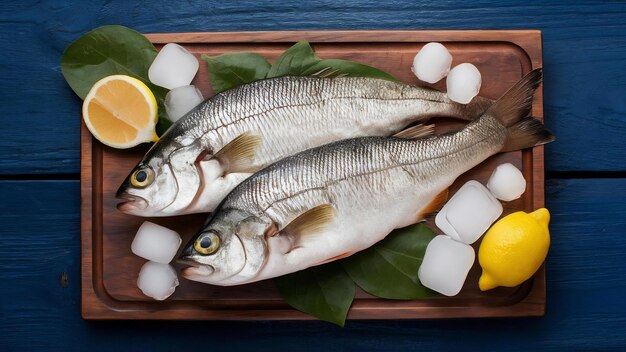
<point>329,202</point>
<point>221,142</point>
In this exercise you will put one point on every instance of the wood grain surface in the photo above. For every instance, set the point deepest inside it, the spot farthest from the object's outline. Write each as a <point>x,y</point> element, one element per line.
<point>585,288</point>
<point>585,84</point>
<point>583,44</point>
<point>110,270</point>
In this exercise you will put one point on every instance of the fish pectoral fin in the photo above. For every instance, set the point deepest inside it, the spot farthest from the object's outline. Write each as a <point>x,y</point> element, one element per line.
<point>309,223</point>
<point>239,154</point>
<point>417,131</point>
<point>434,205</point>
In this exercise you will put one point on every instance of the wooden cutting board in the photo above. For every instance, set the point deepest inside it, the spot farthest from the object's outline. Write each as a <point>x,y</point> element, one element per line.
<point>109,269</point>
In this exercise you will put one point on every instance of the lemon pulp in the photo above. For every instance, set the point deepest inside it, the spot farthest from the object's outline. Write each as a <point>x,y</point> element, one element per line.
<point>121,111</point>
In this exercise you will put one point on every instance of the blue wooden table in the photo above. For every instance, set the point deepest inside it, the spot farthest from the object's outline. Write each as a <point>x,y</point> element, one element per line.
<point>585,107</point>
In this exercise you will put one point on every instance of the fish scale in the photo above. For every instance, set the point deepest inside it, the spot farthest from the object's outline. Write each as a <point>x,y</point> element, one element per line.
<point>286,115</point>
<point>280,102</point>
<point>329,202</point>
<point>368,163</point>
<point>360,178</point>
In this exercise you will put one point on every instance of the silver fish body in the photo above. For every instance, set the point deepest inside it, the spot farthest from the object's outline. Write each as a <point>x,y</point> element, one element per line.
<point>352,193</point>
<point>186,171</point>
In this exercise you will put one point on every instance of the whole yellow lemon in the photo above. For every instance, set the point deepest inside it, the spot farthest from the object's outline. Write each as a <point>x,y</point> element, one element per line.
<point>514,248</point>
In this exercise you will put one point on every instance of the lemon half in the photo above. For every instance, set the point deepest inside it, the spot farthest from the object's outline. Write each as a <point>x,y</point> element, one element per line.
<point>121,112</point>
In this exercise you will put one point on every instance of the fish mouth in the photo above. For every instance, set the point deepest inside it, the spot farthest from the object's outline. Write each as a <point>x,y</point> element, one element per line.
<point>196,272</point>
<point>131,203</point>
<point>194,269</point>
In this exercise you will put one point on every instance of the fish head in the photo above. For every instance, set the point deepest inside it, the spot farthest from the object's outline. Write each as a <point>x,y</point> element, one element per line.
<point>165,182</point>
<point>230,250</point>
<point>149,188</point>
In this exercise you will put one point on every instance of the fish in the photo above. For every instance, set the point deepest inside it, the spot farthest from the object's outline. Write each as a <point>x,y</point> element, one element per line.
<point>221,142</point>
<point>329,202</point>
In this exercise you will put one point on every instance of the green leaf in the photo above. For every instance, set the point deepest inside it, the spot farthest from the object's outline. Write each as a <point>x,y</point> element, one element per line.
<point>111,50</point>
<point>325,292</point>
<point>164,122</point>
<point>389,268</point>
<point>300,60</point>
<point>105,51</point>
<point>227,71</point>
<point>294,61</point>
<point>349,68</point>
<point>231,70</point>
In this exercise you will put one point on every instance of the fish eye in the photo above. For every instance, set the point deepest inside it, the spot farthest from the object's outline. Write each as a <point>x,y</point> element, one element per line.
<point>207,243</point>
<point>142,177</point>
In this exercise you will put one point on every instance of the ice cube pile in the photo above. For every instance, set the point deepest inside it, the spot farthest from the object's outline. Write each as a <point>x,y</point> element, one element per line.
<point>174,68</point>
<point>157,244</point>
<point>433,62</point>
<point>463,220</point>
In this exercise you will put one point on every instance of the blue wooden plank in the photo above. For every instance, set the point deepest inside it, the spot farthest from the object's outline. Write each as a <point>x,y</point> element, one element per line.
<point>585,310</point>
<point>584,58</point>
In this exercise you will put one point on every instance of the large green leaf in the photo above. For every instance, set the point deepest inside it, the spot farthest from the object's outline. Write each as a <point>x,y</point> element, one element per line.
<point>325,292</point>
<point>105,51</point>
<point>349,68</point>
<point>389,268</point>
<point>111,50</point>
<point>227,71</point>
<point>300,60</point>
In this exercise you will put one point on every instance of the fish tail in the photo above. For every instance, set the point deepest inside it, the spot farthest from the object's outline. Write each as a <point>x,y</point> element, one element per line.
<point>517,102</point>
<point>472,111</point>
<point>451,109</point>
<point>527,133</point>
<point>512,110</point>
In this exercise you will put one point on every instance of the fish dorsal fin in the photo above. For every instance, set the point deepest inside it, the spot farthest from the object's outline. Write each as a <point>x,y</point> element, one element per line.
<point>434,205</point>
<point>238,155</point>
<point>328,72</point>
<point>417,131</point>
<point>310,222</point>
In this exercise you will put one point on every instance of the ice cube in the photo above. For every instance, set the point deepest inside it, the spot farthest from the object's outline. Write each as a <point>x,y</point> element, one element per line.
<point>469,213</point>
<point>432,63</point>
<point>445,265</point>
<point>156,243</point>
<point>157,280</point>
<point>181,100</point>
<point>173,67</point>
<point>507,182</point>
<point>463,83</point>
